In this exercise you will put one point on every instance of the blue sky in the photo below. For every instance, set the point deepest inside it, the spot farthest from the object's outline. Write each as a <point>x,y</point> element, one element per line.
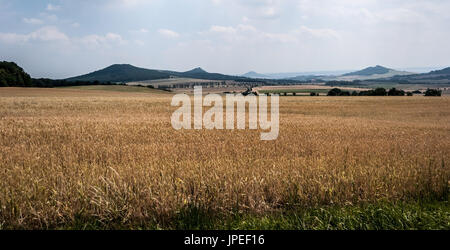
<point>62,38</point>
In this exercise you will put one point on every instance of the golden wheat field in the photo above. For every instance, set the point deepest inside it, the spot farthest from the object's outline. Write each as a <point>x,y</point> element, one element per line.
<point>114,155</point>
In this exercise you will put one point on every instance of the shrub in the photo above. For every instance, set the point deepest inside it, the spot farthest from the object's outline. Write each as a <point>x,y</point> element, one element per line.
<point>376,92</point>
<point>338,92</point>
<point>334,92</point>
<point>3,83</point>
<point>433,92</point>
<point>380,92</point>
<point>396,92</point>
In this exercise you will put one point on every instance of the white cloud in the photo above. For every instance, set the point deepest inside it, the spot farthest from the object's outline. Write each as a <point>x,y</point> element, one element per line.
<point>142,31</point>
<point>49,34</point>
<point>222,29</point>
<point>257,48</point>
<point>129,3</point>
<point>318,33</point>
<point>257,9</point>
<point>53,34</point>
<point>244,33</point>
<point>93,41</point>
<point>139,42</point>
<point>400,16</point>
<point>371,12</point>
<point>168,33</point>
<point>13,38</point>
<point>46,34</point>
<point>33,21</point>
<point>49,17</point>
<point>51,7</point>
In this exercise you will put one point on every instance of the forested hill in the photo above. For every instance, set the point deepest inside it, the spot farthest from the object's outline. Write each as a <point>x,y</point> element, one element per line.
<point>122,73</point>
<point>128,73</point>
<point>445,71</point>
<point>11,75</point>
<point>377,70</point>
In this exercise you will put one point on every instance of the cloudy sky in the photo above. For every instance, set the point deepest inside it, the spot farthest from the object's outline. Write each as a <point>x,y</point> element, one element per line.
<point>62,38</point>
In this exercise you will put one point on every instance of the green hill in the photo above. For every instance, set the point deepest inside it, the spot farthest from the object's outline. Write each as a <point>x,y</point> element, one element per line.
<point>445,71</point>
<point>130,73</point>
<point>122,73</point>
<point>377,70</point>
<point>11,75</point>
<point>371,73</point>
<point>434,77</point>
<point>253,74</point>
<point>199,73</point>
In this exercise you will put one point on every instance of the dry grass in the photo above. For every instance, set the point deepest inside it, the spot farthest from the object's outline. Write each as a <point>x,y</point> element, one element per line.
<point>115,157</point>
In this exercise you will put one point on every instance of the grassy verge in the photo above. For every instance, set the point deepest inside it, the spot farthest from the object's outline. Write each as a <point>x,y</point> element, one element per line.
<point>382,216</point>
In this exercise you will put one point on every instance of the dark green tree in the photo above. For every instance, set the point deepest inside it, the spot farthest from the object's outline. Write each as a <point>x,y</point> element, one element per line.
<point>396,92</point>
<point>433,92</point>
<point>13,75</point>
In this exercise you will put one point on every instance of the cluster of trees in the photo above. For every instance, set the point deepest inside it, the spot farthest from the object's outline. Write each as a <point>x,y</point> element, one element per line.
<point>433,92</point>
<point>372,92</point>
<point>396,92</point>
<point>338,92</point>
<point>13,75</point>
<point>49,83</point>
<point>344,83</point>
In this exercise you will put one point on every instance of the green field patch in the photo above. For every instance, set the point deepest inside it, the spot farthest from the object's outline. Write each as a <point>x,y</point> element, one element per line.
<point>419,215</point>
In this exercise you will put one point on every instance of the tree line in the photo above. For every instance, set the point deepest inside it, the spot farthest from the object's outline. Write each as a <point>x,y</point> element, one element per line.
<point>382,92</point>
<point>11,75</point>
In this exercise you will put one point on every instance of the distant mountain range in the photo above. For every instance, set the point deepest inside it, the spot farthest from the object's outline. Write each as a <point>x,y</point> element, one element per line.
<point>294,75</point>
<point>370,73</point>
<point>14,76</point>
<point>376,72</point>
<point>130,73</point>
<point>253,74</point>
<point>200,73</point>
<point>445,71</point>
<point>436,76</point>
